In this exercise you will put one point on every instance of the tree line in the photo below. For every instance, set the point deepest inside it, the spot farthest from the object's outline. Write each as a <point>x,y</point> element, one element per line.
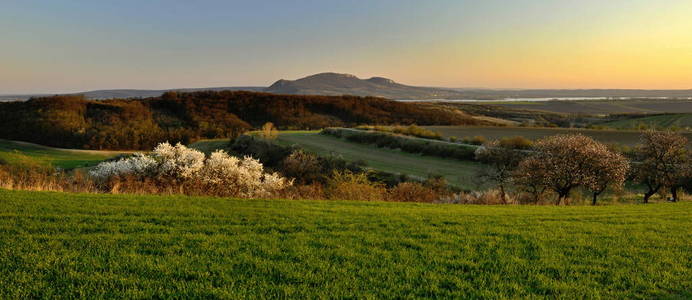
<point>75,122</point>
<point>661,163</point>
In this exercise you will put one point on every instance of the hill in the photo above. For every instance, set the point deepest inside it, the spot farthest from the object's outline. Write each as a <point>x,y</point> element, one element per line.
<point>60,245</point>
<point>346,84</point>
<point>75,122</point>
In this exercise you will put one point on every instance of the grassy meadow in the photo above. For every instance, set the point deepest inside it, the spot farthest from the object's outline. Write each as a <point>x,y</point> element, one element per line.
<point>57,245</point>
<point>21,153</point>
<point>458,173</point>
<point>623,137</point>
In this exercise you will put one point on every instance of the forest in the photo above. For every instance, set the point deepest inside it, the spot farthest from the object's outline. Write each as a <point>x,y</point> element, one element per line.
<point>139,124</point>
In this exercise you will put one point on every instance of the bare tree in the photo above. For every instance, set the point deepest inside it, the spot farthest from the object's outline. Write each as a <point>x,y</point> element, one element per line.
<point>530,177</point>
<point>503,159</point>
<point>662,157</point>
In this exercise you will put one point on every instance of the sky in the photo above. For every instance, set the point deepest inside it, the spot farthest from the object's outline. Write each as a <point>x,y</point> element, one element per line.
<point>78,45</point>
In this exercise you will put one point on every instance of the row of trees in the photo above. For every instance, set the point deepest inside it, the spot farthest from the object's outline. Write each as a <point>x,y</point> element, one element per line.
<point>561,163</point>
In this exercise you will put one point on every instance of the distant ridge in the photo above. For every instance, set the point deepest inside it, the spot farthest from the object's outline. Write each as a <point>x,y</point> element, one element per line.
<point>334,84</point>
<point>337,84</point>
<point>133,93</point>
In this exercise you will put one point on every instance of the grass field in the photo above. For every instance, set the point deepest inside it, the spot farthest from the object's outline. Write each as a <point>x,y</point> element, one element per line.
<point>458,173</point>
<point>623,137</point>
<point>56,245</point>
<point>31,154</point>
<point>209,146</point>
<point>659,121</point>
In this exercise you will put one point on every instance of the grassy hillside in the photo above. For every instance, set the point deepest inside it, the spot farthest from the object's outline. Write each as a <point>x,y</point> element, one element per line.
<point>30,154</point>
<point>658,121</point>
<point>629,138</point>
<point>78,245</point>
<point>458,173</point>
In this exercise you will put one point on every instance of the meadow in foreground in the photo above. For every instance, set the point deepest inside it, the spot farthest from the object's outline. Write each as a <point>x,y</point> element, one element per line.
<point>115,246</point>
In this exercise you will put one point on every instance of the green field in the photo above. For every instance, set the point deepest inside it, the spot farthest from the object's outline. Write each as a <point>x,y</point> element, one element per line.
<point>458,173</point>
<point>209,146</point>
<point>623,137</point>
<point>31,154</point>
<point>58,245</point>
<point>599,107</point>
<point>659,121</point>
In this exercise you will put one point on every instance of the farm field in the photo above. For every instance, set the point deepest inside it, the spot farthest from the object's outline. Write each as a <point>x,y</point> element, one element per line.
<point>58,245</point>
<point>659,121</point>
<point>629,138</point>
<point>458,173</point>
<point>603,106</point>
<point>14,152</point>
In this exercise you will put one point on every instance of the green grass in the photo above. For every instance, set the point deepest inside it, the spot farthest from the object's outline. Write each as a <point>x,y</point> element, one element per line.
<point>458,173</point>
<point>31,154</point>
<point>209,146</point>
<point>57,245</point>
<point>659,121</point>
<point>623,137</point>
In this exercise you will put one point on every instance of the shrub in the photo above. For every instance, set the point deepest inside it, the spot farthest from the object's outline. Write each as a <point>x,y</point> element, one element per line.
<point>41,178</point>
<point>304,167</point>
<point>476,140</point>
<point>516,142</point>
<point>413,192</point>
<point>354,186</point>
<point>188,169</point>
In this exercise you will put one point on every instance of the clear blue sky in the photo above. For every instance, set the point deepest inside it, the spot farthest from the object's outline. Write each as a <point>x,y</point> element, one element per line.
<point>71,45</point>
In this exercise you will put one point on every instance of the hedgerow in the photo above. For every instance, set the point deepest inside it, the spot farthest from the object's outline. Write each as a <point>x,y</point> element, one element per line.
<point>411,145</point>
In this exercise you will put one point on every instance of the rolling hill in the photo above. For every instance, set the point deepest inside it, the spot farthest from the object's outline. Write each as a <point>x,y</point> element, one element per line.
<point>335,84</point>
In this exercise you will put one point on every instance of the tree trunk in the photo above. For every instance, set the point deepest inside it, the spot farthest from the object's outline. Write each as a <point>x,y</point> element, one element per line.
<point>652,190</point>
<point>595,197</point>
<point>503,196</point>
<point>674,192</point>
<point>648,195</point>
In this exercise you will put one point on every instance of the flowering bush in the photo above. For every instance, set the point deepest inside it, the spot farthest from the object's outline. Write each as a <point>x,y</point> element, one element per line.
<point>137,164</point>
<point>219,174</point>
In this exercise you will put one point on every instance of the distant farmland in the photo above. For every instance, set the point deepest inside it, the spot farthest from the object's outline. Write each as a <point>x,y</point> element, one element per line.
<point>659,121</point>
<point>604,106</point>
<point>622,137</point>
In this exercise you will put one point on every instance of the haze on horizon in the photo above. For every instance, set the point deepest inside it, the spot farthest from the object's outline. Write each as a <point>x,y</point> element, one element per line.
<point>79,45</point>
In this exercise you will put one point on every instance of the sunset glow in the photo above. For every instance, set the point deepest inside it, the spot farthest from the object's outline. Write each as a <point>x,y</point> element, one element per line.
<point>82,45</point>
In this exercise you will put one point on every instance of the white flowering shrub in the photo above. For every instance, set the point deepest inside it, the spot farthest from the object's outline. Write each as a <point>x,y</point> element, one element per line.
<point>178,161</point>
<point>138,164</point>
<point>243,178</point>
<point>219,174</point>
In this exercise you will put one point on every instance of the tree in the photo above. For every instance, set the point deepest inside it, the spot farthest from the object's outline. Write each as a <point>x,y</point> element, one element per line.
<point>530,177</point>
<point>609,169</point>
<point>661,161</point>
<point>563,162</point>
<point>269,132</point>
<point>503,159</point>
